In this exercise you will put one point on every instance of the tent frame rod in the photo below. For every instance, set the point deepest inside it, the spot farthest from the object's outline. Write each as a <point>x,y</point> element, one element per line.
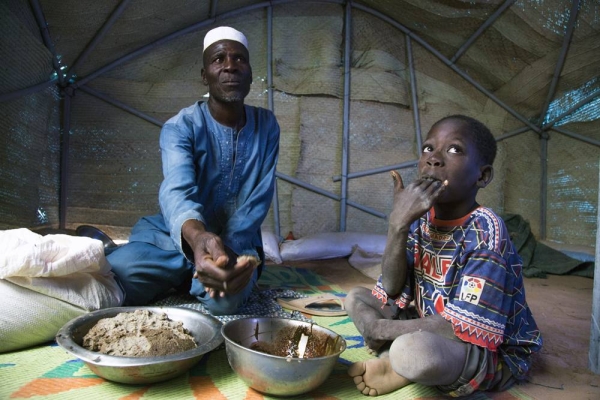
<point>481,29</point>
<point>550,125</point>
<point>544,138</point>
<point>445,60</point>
<point>367,210</point>
<point>43,25</point>
<point>349,4</point>
<point>577,136</point>
<point>594,352</point>
<point>81,83</point>
<point>121,105</point>
<point>513,133</point>
<point>276,217</point>
<point>65,136</point>
<point>346,113</point>
<point>270,85</point>
<point>413,93</point>
<point>165,39</point>
<point>41,86</point>
<point>114,16</point>
<point>213,8</point>
<point>185,31</point>
<point>328,194</point>
<point>65,128</point>
<point>375,171</point>
<point>572,109</point>
<point>25,91</point>
<point>561,58</point>
<point>543,183</point>
<point>378,14</point>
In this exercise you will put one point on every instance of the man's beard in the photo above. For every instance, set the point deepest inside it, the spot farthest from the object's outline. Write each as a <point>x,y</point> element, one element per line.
<point>232,98</point>
<point>224,94</point>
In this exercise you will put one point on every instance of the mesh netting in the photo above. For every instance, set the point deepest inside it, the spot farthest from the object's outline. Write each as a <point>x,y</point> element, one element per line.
<point>114,164</point>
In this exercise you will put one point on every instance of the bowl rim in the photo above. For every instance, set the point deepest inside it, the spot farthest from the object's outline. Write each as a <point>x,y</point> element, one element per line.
<point>229,341</point>
<point>64,339</point>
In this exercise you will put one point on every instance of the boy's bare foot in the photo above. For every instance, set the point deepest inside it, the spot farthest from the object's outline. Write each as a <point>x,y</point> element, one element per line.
<point>381,350</point>
<point>374,346</point>
<point>376,377</point>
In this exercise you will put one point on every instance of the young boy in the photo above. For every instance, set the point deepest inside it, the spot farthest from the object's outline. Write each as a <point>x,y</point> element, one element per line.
<point>473,329</point>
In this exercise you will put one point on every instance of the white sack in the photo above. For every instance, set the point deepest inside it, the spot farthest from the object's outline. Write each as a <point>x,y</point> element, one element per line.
<point>330,245</point>
<point>28,318</point>
<point>69,268</point>
<point>367,263</point>
<point>271,247</point>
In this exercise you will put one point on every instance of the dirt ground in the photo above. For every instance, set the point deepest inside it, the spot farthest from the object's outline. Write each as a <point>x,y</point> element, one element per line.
<point>562,307</point>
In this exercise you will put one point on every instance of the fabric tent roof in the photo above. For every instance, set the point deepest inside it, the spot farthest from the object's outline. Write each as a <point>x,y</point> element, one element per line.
<point>354,84</point>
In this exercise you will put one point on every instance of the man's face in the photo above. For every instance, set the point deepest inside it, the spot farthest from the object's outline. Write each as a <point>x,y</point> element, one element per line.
<point>227,71</point>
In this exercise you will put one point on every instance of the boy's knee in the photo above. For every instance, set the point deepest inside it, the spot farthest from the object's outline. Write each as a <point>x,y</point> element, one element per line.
<point>351,297</point>
<point>408,351</point>
<point>406,346</point>
<point>356,295</point>
<point>421,357</point>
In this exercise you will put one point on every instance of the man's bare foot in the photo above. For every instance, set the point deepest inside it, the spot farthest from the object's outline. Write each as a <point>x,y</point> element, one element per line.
<point>376,377</point>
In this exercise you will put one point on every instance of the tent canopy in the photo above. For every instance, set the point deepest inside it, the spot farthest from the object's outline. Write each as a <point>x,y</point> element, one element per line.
<point>355,85</point>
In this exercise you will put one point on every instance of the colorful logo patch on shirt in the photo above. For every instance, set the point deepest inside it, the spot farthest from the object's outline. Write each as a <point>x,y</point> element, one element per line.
<point>471,288</point>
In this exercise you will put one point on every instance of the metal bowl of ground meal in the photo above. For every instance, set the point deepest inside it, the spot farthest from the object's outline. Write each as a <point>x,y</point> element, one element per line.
<point>281,356</point>
<point>138,359</point>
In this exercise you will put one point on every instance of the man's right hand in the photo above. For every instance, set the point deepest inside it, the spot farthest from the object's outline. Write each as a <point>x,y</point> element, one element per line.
<point>216,267</point>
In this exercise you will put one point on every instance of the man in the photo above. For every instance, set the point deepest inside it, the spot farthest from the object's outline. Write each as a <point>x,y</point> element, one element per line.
<point>219,160</point>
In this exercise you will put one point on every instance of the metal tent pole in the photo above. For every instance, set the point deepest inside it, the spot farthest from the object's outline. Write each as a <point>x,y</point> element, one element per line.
<point>276,219</point>
<point>594,352</point>
<point>213,8</point>
<point>550,124</point>
<point>586,100</point>
<point>577,136</point>
<point>98,37</point>
<point>347,3</point>
<point>328,194</point>
<point>544,183</point>
<point>545,137</point>
<point>379,170</point>
<point>561,58</point>
<point>413,94</point>
<point>513,133</point>
<point>121,105</point>
<point>481,29</point>
<point>25,91</point>
<point>448,63</point>
<point>65,135</point>
<point>66,113</point>
<point>346,121</point>
<point>165,39</point>
<point>43,25</point>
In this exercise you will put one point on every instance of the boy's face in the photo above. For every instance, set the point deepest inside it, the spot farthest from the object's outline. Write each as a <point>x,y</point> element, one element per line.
<point>227,71</point>
<point>449,154</point>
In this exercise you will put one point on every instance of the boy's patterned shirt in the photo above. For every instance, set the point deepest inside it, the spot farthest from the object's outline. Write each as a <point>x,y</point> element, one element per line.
<point>468,271</point>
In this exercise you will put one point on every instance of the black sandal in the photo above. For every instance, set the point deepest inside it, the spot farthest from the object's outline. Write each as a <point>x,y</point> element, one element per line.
<point>95,233</point>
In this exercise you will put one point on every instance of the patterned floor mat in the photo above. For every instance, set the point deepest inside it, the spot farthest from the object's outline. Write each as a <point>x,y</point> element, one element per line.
<point>48,372</point>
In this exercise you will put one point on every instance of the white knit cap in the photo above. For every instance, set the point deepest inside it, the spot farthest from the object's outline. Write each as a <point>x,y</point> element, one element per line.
<point>224,33</point>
